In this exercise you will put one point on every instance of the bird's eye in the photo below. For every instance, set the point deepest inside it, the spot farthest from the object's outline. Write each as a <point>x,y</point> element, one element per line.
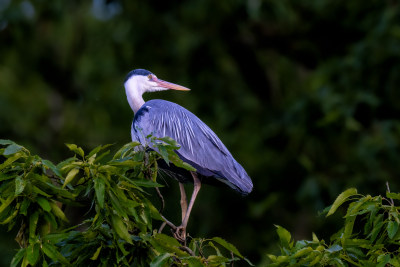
<point>150,76</point>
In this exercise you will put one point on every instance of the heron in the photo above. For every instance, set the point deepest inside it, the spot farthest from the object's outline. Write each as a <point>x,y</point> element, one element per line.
<point>199,145</point>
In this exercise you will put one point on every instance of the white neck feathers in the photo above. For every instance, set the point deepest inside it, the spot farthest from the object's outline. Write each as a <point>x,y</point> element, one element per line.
<point>134,92</point>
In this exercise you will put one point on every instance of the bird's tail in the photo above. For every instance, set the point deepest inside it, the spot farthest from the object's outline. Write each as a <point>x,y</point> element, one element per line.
<point>236,177</point>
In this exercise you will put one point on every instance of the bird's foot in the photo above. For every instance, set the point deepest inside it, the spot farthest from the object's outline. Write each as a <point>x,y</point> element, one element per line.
<point>180,234</point>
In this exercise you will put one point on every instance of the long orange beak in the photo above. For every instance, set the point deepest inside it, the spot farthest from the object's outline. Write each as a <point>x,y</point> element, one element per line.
<point>169,85</point>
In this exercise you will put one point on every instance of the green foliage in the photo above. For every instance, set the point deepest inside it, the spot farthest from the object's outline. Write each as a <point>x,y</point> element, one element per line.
<point>119,228</point>
<point>370,236</point>
<point>304,93</point>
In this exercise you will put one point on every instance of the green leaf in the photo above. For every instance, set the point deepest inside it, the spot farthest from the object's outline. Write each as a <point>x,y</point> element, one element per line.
<point>273,258</point>
<point>51,188</point>
<point>228,246</point>
<point>177,161</point>
<point>164,243</point>
<point>375,231</point>
<point>338,262</point>
<point>10,160</point>
<point>124,149</point>
<point>193,246</point>
<point>248,261</point>
<point>24,206</point>
<point>68,162</point>
<point>70,176</point>
<point>10,217</point>
<point>18,257</point>
<point>363,243</point>
<point>7,176</point>
<point>155,214</point>
<point>52,167</point>
<point>97,149</point>
<point>51,251</point>
<point>355,250</point>
<point>334,248</point>
<point>348,227</point>
<point>359,207</point>
<point>99,187</point>
<point>393,195</point>
<point>395,261</point>
<point>124,163</point>
<point>160,260</point>
<point>96,254</point>
<point>12,149</point>
<point>115,202</point>
<point>51,221</point>
<point>146,183</point>
<point>44,203</point>
<point>6,142</point>
<point>145,215</point>
<point>99,157</point>
<point>302,252</point>
<point>392,228</point>
<point>39,191</point>
<point>217,259</point>
<point>32,253</point>
<point>284,237</point>
<point>20,184</point>
<point>193,261</point>
<point>341,199</point>
<point>139,155</point>
<point>383,260</point>
<point>164,153</point>
<point>314,237</point>
<point>58,212</point>
<point>168,140</point>
<point>76,149</point>
<point>316,258</point>
<point>59,237</point>
<point>33,220</point>
<point>120,228</point>
<point>5,203</point>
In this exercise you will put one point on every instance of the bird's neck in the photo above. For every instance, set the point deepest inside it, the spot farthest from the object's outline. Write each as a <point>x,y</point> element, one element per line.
<point>135,97</point>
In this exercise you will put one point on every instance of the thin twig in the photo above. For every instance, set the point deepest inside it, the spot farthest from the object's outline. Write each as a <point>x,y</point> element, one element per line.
<point>188,250</point>
<point>161,198</point>
<point>170,224</point>
<point>388,189</point>
<point>199,249</point>
<point>162,227</point>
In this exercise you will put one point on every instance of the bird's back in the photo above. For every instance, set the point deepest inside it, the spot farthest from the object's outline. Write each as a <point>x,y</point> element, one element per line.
<point>200,146</point>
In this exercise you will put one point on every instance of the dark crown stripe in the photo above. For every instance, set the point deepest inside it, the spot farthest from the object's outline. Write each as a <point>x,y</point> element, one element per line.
<point>141,72</point>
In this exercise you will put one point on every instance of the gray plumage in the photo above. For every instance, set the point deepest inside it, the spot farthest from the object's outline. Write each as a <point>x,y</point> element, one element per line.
<point>200,146</point>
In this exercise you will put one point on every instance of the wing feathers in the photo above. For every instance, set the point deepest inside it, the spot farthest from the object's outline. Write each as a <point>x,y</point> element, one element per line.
<point>199,144</point>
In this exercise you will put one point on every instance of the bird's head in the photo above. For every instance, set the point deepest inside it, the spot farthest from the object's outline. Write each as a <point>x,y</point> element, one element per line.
<point>142,81</point>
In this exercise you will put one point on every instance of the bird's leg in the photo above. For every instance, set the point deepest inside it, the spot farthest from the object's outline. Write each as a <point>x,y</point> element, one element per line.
<point>183,200</point>
<point>184,210</point>
<point>197,186</point>
<point>180,232</point>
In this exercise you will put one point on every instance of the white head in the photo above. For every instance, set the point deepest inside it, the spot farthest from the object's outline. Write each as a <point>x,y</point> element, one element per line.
<point>140,81</point>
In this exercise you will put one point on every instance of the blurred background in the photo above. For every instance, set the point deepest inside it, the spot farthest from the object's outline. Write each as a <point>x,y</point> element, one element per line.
<point>305,94</point>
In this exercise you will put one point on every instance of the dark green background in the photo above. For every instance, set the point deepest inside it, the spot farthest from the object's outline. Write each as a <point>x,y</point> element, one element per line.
<point>305,94</point>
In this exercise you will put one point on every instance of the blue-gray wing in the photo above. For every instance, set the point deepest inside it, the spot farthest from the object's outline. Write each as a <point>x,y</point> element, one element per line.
<point>200,146</point>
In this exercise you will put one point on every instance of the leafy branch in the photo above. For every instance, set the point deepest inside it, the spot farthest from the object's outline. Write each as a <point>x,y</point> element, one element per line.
<point>370,235</point>
<point>120,228</point>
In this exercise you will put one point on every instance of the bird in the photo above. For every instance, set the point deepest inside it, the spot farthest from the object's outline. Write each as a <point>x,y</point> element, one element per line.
<point>199,145</point>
